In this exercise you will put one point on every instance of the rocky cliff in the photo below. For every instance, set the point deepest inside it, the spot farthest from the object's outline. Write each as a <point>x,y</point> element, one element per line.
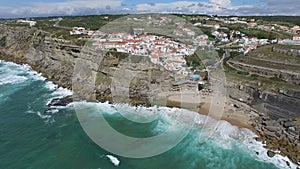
<point>284,103</point>
<point>59,61</point>
<point>278,122</point>
<point>99,76</point>
<point>52,57</point>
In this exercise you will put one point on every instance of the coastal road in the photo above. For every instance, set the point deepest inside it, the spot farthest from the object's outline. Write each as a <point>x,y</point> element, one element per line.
<point>61,27</point>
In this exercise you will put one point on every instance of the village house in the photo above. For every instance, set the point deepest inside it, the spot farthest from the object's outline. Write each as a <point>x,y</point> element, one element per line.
<point>296,37</point>
<point>178,32</point>
<point>252,24</point>
<point>189,32</point>
<point>295,30</point>
<point>138,31</point>
<point>161,50</point>
<point>78,31</point>
<point>31,23</point>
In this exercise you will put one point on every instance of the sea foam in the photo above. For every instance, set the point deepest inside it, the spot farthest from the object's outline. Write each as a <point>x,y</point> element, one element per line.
<point>113,159</point>
<point>12,73</point>
<point>225,135</point>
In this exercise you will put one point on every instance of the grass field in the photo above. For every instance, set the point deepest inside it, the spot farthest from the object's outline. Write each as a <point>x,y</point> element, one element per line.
<point>93,22</point>
<point>265,52</point>
<point>264,57</point>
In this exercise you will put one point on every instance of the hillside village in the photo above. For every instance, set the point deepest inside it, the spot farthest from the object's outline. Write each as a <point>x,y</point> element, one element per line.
<point>170,54</point>
<point>161,50</point>
<point>233,37</point>
<point>260,61</point>
<point>218,32</point>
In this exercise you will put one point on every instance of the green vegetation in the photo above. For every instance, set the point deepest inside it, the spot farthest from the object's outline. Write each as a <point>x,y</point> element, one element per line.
<point>265,52</point>
<point>102,78</point>
<point>93,22</point>
<point>259,33</point>
<point>225,64</point>
<point>221,52</point>
<point>263,34</point>
<point>202,58</point>
<point>194,62</point>
<point>266,83</point>
<point>264,57</point>
<point>231,47</point>
<point>3,41</point>
<point>236,26</point>
<point>282,46</point>
<point>266,63</point>
<point>79,42</point>
<point>242,73</point>
<point>45,24</point>
<point>207,31</point>
<point>283,20</point>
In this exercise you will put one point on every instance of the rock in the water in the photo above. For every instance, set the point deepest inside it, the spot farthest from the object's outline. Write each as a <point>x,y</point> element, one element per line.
<point>270,153</point>
<point>61,101</point>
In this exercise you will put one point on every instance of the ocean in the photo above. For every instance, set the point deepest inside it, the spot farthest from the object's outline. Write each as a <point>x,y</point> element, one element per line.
<point>34,137</point>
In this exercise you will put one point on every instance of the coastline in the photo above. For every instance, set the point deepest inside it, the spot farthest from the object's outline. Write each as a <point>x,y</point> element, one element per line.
<point>271,134</point>
<point>229,116</point>
<point>234,112</point>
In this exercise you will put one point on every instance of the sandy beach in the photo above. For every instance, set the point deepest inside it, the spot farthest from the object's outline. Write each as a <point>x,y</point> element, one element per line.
<point>234,112</point>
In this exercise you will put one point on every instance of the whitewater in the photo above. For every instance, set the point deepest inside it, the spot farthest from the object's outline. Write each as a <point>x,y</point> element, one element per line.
<point>37,136</point>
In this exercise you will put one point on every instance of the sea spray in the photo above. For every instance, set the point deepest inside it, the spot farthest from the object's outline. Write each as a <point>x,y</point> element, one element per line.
<point>23,134</point>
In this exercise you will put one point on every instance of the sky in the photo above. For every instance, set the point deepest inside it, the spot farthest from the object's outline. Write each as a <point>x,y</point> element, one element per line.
<point>37,8</point>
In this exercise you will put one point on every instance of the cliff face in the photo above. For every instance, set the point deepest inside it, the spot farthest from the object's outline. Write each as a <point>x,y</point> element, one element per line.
<point>277,123</point>
<point>282,104</point>
<point>56,59</point>
<point>103,76</point>
<point>288,76</point>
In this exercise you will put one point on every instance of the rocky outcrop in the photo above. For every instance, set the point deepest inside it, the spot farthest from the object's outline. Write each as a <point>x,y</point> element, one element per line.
<point>284,103</point>
<point>277,124</point>
<point>281,136</point>
<point>59,60</point>
<point>97,76</point>
<point>49,56</point>
<point>291,52</point>
<point>285,75</point>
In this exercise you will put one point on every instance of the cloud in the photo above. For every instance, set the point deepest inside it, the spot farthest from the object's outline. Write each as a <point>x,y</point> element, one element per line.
<point>74,7</point>
<point>151,4</point>
<point>282,7</point>
<point>212,6</point>
<point>85,7</point>
<point>221,3</point>
<point>225,7</point>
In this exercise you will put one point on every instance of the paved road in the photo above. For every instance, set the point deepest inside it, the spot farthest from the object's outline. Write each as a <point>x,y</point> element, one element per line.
<point>61,27</point>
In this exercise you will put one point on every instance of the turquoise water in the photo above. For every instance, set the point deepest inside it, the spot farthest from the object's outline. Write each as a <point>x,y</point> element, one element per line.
<point>34,140</point>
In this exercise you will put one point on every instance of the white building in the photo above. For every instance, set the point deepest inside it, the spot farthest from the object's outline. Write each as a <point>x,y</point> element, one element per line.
<point>78,31</point>
<point>296,37</point>
<point>31,23</point>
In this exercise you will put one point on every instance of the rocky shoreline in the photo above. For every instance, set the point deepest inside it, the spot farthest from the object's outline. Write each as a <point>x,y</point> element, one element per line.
<point>280,136</point>
<point>277,125</point>
<point>277,121</point>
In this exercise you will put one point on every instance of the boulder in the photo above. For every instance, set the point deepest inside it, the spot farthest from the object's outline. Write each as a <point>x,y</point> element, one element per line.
<point>270,153</point>
<point>288,124</point>
<point>61,101</point>
<point>273,128</point>
<point>270,123</point>
<point>269,133</point>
